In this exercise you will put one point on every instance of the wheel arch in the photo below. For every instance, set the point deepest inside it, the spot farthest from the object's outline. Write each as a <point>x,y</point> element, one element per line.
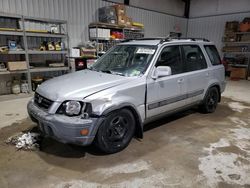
<point>139,124</point>
<point>217,86</point>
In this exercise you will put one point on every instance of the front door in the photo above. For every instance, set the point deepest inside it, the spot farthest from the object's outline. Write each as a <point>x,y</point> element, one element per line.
<point>167,93</point>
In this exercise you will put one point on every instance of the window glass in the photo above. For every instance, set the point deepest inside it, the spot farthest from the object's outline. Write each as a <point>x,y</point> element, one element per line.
<point>193,58</point>
<point>171,56</point>
<point>213,54</point>
<point>125,60</point>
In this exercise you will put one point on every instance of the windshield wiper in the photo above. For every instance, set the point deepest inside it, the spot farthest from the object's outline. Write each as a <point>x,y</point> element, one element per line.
<point>118,73</point>
<point>91,68</point>
<point>106,71</point>
<point>112,72</point>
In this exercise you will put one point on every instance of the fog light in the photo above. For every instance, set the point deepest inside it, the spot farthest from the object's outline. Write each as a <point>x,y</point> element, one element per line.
<point>84,132</point>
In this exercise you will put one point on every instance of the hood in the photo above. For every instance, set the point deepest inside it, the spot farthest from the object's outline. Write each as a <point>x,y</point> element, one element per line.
<point>78,85</point>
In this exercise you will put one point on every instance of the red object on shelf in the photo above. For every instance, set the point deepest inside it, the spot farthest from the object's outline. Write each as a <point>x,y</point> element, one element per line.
<point>80,63</point>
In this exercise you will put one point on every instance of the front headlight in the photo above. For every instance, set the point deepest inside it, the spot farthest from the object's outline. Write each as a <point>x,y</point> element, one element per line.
<point>73,108</point>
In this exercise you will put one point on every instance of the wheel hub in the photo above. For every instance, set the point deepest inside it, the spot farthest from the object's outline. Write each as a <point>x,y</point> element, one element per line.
<point>117,130</point>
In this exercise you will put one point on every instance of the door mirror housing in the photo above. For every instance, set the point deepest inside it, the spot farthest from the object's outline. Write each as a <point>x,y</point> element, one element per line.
<point>161,71</point>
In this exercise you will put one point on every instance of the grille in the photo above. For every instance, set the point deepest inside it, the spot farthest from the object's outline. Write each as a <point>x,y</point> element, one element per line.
<point>42,102</point>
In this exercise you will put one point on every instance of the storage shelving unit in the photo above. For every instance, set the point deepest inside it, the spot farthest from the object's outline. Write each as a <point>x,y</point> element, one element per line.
<point>127,32</point>
<point>240,49</point>
<point>32,31</point>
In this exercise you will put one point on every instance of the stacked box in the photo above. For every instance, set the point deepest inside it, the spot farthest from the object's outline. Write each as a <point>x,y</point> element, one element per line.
<point>99,33</point>
<point>16,65</point>
<point>238,73</point>
<point>107,15</point>
<point>232,26</point>
<point>122,19</point>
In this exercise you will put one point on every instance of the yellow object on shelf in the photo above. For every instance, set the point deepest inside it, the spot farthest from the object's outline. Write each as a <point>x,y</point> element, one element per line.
<point>9,29</point>
<point>58,46</point>
<point>36,31</point>
<point>137,24</point>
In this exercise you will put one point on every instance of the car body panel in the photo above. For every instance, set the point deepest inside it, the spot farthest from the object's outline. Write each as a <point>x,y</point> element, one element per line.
<point>76,86</point>
<point>149,98</point>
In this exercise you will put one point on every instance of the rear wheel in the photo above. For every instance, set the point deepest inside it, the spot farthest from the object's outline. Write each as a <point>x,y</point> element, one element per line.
<point>116,132</point>
<point>211,100</point>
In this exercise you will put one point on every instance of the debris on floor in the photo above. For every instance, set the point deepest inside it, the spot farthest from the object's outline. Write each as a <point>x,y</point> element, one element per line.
<point>25,141</point>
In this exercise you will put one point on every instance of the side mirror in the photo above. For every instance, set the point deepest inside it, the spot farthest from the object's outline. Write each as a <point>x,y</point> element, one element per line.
<point>161,71</point>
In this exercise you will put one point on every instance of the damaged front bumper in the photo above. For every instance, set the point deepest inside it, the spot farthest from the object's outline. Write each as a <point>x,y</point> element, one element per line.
<point>63,128</point>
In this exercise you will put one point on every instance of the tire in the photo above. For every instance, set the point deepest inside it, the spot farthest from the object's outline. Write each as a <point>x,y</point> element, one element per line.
<point>211,100</point>
<point>116,132</point>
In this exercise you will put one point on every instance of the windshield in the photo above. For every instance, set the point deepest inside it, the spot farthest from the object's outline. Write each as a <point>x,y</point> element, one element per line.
<point>126,60</point>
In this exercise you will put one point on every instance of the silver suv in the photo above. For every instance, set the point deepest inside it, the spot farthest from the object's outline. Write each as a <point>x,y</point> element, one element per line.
<point>134,83</point>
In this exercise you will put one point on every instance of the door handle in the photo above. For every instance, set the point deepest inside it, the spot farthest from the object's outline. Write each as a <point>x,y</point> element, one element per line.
<point>180,81</point>
<point>207,74</point>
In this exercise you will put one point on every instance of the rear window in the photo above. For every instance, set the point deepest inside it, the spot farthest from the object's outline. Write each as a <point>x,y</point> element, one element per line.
<point>213,54</point>
<point>193,58</point>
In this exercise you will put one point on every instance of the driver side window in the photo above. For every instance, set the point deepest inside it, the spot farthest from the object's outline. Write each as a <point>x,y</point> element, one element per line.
<point>171,56</point>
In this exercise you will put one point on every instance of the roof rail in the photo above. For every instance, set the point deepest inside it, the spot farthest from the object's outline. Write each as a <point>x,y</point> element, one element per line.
<point>193,39</point>
<point>155,38</point>
<point>182,38</point>
<point>167,39</point>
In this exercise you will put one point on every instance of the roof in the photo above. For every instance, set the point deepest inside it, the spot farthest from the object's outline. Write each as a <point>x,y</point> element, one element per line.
<point>156,41</point>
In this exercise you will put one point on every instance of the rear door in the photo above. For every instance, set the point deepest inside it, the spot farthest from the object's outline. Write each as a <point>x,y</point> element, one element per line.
<point>217,70</point>
<point>197,73</point>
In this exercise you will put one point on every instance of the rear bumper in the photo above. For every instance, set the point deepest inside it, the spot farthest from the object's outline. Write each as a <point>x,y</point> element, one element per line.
<point>63,128</point>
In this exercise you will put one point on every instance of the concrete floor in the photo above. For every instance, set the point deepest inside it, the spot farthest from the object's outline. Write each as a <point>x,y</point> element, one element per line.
<point>188,149</point>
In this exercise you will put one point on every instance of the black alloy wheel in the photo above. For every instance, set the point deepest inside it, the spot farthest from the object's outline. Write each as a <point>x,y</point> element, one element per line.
<point>211,100</point>
<point>116,131</point>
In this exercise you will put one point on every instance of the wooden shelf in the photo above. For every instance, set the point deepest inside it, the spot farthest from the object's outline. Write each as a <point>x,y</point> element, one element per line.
<point>238,65</point>
<point>10,32</point>
<point>238,42</point>
<point>14,52</point>
<point>237,52</point>
<point>37,52</point>
<point>48,69</point>
<point>12,72</point>
<point>44,20</point>
<point>107,39</point>
<point>237,33</point>
<point>48,35</point>
<point>113,26</point>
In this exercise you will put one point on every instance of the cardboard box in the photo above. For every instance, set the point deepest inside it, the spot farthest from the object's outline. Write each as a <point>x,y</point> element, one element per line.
<point>99,33</point>
<point>74,52</point>
<point>238,73</point>
<point>121,20</point>
<point>16,65</point>
<point>120,9</point>
<point>128,22</point>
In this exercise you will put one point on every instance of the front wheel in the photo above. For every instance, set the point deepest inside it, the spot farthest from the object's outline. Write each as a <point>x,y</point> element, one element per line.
<point>116,132</point>
<point>211,100</point>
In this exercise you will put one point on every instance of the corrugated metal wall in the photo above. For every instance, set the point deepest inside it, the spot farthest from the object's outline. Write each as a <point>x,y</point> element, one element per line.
<point>212,27</point>
<point>79,13</point>
<point>157,24</point>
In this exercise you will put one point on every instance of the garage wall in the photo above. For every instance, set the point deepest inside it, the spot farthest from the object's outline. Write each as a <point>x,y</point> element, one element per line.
<point>200,8</point>
<point>212,27</point>
<point>79,13</point>
<point>173,7</point>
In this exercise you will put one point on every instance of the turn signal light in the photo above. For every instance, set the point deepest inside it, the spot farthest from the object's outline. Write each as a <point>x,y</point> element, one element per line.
<point>84,132</point>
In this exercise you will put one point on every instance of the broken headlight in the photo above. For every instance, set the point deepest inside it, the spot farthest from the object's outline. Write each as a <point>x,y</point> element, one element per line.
<point>75,108</point>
